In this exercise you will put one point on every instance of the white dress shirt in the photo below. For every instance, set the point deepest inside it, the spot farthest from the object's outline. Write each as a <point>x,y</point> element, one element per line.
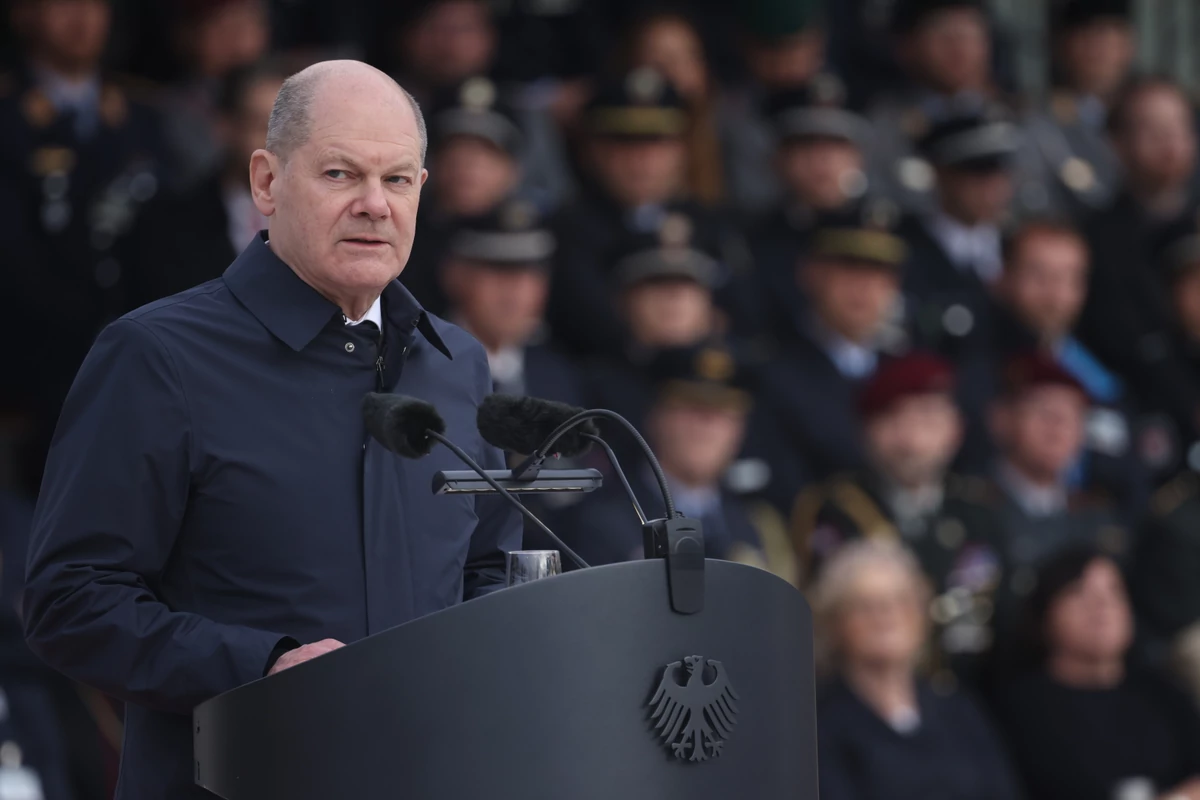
<point>374,314</point>
<point>975,248</point>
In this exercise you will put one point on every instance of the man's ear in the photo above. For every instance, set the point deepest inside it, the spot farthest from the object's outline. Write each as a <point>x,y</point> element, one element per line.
<point>265,170</point>
<point>424,176</point>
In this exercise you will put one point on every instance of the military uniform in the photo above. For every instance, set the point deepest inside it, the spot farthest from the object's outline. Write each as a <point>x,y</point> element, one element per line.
<point>813,383</point>
<point>815,112</point>
<point>1069,146</point>
<point>582,311</point>
<point>513,237</point>
<point>74,173</point>
<point>1031,539</point>
<point>1163,579</point>
<point>473,109</point>
<point>1067,137</point>
<point>738,524</point>
<point>747,133</point>
<point>958,545</point>
<point>1127,323</point>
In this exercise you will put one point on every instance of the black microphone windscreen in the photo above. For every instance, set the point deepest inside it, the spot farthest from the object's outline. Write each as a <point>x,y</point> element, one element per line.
<point>401,423</point>
<point>521,424</point>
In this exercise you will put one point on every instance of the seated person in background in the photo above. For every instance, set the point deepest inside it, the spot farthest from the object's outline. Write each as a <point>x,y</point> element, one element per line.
<point>884,733</point>
<point>955,249</point>
<point>1039,427</point>
<point>496,274</point>
<point>662,285</point>
<point>213,41</point>
<point>695,424</point>
<point>664,289</point>
<point>476,152</point>
<point>1163,581</point>
<point>783,48</point>
<point>634,150</point>
<point>851,275</point>
<point>819,157</point>
<point>945,52</point>
<point>1176,277</point>
<point>908,495</point>
<point>187,237</point>
<point>1094,46</point>
<point>668,41</point>
<point>1126,320</point>
<point>1040,295</point>
<point>1081,725</point>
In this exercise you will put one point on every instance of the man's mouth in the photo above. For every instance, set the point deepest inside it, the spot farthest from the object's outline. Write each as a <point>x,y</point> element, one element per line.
<point>365,240</point>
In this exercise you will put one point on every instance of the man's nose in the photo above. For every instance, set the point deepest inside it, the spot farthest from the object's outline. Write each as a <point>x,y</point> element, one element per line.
<point>372,202</point>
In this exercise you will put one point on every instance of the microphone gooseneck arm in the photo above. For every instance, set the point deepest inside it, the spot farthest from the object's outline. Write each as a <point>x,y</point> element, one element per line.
<point>525,512</point>
<point>603,413</point>
<point>612,459</point>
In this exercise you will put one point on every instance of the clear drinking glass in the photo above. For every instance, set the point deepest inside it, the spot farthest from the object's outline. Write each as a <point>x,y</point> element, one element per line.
<point>525,566</point>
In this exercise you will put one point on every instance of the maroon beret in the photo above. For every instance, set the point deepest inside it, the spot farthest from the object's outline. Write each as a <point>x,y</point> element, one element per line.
<point>896,379</point>
<point>1036,369</point>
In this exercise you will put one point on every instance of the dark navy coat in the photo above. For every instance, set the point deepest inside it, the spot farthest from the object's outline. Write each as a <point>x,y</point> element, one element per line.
<point>211,491</point>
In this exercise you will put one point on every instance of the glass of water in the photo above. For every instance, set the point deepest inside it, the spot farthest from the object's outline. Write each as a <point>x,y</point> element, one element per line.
<point>525,566</point>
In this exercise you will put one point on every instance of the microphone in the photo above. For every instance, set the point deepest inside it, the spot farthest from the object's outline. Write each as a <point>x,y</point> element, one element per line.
<point>677,539</point>
<point>409,427</point>
<point>550,423</point>
<point>521,424</point>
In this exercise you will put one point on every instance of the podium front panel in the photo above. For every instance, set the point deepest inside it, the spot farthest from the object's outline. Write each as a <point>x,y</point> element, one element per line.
<point>539,692</point>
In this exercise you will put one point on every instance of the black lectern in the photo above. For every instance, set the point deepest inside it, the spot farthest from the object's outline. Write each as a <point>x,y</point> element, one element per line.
<point>580,686</point>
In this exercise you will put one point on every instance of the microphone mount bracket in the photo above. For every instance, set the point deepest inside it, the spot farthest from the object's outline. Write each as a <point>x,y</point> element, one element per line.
<point>680,542</point>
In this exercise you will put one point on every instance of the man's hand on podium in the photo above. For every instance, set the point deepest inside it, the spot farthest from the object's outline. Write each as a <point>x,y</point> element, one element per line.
<point>305,653</point>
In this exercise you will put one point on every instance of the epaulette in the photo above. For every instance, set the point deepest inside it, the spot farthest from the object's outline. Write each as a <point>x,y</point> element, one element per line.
<point>805,510</point>
<point>776,545</point>
<point>1173,494</point>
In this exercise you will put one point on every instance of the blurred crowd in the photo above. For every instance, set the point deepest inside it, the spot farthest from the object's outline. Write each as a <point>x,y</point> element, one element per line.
<point>922,344</point>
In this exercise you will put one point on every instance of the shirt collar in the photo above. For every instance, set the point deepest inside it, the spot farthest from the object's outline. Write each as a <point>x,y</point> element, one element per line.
<point>1034,500</point>
<point>67,94</point>
<point>295,313</point>
<point>852,360</point>
<point>374,314</point>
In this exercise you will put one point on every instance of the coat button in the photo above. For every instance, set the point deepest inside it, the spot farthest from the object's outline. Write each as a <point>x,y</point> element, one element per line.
<point>349,347</point>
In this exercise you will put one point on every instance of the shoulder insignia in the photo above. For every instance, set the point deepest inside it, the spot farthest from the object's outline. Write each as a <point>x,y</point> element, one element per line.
<point>868,517</point>
<point>1064,108</point>
<point>37,108</point>
<point>1173,494</point>
<point>114,108</point>
<point>773,539</point>
<point>50,160</point>
<point>805,511</point>
<point>1078,175</point>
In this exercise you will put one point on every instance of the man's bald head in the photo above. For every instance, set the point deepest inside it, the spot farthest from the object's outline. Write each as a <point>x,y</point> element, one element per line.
<point>291,117</point>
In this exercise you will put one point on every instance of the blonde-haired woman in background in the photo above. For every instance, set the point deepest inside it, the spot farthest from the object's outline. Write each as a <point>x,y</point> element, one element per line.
<point>885,734</point>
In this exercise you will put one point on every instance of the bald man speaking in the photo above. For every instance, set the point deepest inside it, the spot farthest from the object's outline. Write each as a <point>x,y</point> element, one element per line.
<point>213,510</point>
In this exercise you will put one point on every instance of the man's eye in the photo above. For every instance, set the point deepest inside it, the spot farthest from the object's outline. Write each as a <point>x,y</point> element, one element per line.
<point>398,179</point>
<point>335,173</point>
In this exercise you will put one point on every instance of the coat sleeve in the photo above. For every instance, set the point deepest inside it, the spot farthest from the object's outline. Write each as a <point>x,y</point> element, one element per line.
<point>113,500</point>
<point>500,526</point>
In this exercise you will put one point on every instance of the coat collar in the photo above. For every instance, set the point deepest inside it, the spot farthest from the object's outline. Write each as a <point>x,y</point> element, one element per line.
<point>295,313</point>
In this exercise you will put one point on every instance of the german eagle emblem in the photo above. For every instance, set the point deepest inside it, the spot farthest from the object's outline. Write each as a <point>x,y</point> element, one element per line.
<point>694,718</point>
